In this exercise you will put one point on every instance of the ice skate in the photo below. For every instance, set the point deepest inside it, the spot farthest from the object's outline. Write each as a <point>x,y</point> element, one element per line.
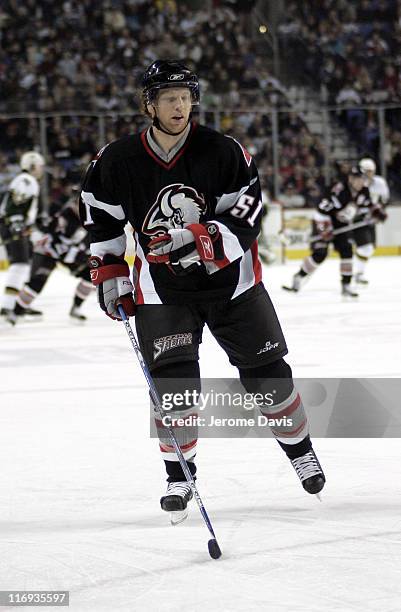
<point>360,279</point>
<point>27,314</point>
<point>30,314</point>
<point>296,283</point>
<point>175,501</point>
<point>8,317</point>
<point>309,472</point>
<point>347,291</point>
<point>77,315</point>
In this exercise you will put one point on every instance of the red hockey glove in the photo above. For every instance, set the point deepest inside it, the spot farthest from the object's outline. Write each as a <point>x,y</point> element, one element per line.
<point>377,211</point>
<point>184,249</point>
<point>110,276</point>
<point>325,229</point>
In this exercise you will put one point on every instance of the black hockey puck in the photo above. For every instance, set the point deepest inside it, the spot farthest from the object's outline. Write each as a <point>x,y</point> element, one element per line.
<point>214,549</point>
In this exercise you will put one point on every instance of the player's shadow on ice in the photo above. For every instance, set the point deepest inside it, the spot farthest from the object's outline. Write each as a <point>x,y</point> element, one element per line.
<point>339,511</point>
<point>8,528</point>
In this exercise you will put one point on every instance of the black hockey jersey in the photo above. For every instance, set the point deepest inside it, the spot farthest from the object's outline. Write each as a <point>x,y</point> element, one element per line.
<point>341,205</point>
<point>64,222</point>
<point>67,241</point>
<point>210,177</point>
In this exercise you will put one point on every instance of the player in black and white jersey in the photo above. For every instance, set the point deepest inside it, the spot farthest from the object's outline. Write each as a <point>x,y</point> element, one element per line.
<point>18,212</point>
<point>365,237</point>
<point>336,211</point>
<point>193,198</point>
<point>64,241</point>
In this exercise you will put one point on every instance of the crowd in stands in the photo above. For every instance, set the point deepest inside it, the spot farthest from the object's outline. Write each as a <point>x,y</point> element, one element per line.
<point>84,56</point>
<point>351,51</point>
<point>78,63</point>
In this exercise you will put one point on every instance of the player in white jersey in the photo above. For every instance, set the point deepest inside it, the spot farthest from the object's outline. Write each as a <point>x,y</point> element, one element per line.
<point>18,211</point>
<point>365,237</point>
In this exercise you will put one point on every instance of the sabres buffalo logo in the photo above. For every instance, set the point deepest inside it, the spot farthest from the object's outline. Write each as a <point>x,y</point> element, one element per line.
<point>176,207</point>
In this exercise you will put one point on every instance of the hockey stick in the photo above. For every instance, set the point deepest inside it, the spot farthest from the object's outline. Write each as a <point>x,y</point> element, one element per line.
<point>214,548</point>
<point>284,239</point>
<point>343,230</point>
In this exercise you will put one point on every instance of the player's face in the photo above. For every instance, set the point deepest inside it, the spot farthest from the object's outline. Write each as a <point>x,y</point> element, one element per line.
<point>173,108</point>
<point>38,171</point>
<point>356,182</point>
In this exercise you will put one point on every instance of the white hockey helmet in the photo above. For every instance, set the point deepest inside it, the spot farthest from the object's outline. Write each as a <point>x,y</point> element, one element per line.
<point>31,160</point>
<point>367,165</point>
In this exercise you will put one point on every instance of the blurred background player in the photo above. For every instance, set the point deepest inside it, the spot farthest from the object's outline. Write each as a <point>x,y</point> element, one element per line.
<point>67,242</point>
<point>335,212</point>
<point>365,237</point>
<point>266,254</point>
<point>18,212</point>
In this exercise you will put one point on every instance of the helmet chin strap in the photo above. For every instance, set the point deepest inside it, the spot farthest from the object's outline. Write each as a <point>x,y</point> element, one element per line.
<point>158,126</point>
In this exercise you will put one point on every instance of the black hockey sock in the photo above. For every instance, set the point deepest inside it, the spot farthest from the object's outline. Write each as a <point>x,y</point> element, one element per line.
<point>78,301</point>
<point>175,473</point>
<point>345,279</point>
<point>297,450</point>
<point>18,309</point>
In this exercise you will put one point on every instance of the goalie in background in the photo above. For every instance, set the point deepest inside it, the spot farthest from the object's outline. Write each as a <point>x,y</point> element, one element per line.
<point>18,212</point>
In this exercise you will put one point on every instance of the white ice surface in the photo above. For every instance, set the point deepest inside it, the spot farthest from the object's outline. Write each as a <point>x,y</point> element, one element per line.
<point>80,479</point>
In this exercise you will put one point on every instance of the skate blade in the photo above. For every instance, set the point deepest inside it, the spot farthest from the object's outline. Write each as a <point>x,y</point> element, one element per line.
<point>5,324</point>
<point>27,318</point>
<point>289,289</point>
<point>76,321</point>
<point>178,516</point>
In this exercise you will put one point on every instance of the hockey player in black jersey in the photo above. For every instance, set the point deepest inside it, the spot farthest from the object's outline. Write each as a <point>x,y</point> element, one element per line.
<point>192,196</point>
<point>64,241</point>
<point>335,212</point>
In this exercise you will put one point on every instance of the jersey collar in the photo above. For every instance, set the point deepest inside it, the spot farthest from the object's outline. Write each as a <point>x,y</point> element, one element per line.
<point>167,160</point>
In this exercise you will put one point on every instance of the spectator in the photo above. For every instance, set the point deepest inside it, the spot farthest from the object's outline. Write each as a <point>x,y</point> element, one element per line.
<point>290,197</point>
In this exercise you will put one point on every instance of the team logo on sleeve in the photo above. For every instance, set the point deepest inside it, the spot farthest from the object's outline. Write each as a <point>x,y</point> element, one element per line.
<point>176,206</point>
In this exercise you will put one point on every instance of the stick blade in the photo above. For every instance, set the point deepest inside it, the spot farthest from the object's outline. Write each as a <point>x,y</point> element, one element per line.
<point>214,549</point>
